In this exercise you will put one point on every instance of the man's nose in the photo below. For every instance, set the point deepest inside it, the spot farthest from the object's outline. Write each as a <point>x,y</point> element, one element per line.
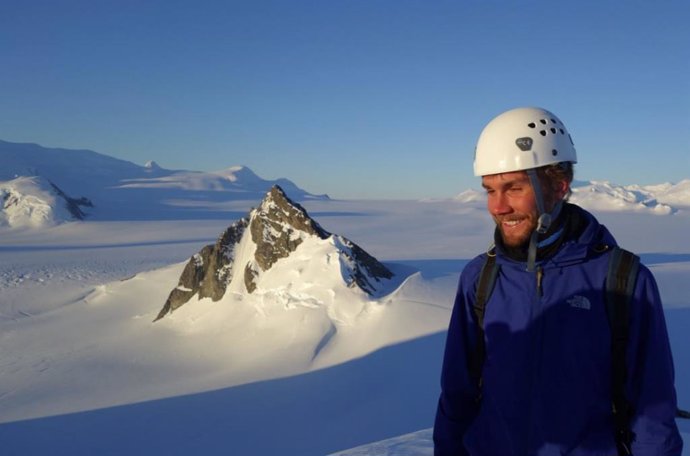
<point>498,204</point>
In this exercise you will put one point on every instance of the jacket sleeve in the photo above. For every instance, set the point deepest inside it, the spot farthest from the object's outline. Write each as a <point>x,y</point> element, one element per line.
<point>457,405</point>
<point>650,385</point>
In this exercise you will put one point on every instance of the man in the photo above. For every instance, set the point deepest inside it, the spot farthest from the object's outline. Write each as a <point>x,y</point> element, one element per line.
<point>535,376</point>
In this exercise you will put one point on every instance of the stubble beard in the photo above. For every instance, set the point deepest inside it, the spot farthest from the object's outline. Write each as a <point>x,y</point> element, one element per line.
<point>518,235</point>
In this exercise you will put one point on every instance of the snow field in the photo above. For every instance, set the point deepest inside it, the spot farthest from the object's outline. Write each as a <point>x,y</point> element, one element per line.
<point>306,366</point>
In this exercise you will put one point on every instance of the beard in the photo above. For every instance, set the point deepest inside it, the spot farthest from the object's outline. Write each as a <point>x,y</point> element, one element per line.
<point>516,229</point>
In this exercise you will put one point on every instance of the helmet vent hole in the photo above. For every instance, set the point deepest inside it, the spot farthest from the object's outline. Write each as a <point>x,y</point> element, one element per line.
<point>553,121</point>
<point>542,132</point>
<point>554,152</point>
<point>553,130</point>
<point>562,132</point>
<point>531,125</point>
<point>543,121</point>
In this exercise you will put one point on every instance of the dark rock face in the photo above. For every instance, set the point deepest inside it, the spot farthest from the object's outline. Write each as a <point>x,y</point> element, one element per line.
<point>277,227</point>
<point>9,200</point>
<point>73,204</point>
<point>208,272</point>
<point>363,267</point>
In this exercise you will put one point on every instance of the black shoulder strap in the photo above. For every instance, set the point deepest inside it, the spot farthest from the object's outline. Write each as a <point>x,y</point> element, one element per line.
<point>620,285</point>
<point>485,285</point>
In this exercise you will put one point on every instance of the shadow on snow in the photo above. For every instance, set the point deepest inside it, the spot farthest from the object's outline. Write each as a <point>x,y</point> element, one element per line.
<point>310,414</point>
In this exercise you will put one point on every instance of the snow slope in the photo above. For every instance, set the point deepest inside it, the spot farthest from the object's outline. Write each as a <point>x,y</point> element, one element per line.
<point>83,370</point>
<point>32,202</point>
<point>118,357</point>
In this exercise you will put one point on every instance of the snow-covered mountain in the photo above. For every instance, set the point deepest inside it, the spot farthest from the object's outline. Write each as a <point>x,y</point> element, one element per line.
<point>279,257</point>
<point>659,199</point>
<point>604,196</point>
<point>36,202</point>
<point>121,190</point>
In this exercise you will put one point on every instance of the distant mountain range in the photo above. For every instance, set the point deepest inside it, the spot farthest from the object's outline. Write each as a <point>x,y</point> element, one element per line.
<point>664,198</point>
<point>42,186</point>
<point>106,188</point>
<point>659,199</point>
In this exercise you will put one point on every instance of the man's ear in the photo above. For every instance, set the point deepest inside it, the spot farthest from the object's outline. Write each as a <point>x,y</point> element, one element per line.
<point>561,188</point>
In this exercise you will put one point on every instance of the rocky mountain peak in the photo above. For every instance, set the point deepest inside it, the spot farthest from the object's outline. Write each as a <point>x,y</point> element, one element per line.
<point>280,213</point>
<point>278,226</point>
<point>276,229</point>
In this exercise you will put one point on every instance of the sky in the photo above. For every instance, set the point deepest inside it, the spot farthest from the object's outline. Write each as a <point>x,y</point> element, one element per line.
<point>353,98</point>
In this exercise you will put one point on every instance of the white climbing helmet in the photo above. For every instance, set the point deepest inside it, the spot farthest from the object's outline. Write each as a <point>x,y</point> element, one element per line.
<point>520,139</point>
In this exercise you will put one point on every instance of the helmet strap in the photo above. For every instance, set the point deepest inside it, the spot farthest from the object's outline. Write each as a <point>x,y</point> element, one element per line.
<point>544,220</point>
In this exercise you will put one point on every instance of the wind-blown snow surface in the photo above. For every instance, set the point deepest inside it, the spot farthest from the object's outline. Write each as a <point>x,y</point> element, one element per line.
<point>83,370</point>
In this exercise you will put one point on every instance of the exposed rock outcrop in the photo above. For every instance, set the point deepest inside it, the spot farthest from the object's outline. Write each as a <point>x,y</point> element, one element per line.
<point>275,230</point>
<point>208,272</point>
<point>276,227</point>
<point>72,204</point>
<point>364,267</point>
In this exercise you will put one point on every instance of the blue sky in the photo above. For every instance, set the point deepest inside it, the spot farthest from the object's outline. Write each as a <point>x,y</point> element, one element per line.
<point>354,98</point>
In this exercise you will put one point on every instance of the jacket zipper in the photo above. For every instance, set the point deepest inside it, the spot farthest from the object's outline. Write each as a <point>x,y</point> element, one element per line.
<point>539,341</point>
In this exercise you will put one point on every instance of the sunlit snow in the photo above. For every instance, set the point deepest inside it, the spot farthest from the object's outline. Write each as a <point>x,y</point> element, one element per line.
<point>304,366</point>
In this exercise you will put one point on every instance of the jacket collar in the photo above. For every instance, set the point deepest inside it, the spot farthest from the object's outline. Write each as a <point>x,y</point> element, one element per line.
<point>582,235</point>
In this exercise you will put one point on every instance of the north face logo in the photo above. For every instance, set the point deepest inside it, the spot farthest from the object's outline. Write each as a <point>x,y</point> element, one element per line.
<point>579,302</point>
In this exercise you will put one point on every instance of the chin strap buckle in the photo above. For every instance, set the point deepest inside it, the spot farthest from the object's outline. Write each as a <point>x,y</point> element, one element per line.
<point>543,223</point>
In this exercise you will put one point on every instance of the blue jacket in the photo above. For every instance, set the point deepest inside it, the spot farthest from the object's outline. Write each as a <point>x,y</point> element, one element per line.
<point>547,373</point>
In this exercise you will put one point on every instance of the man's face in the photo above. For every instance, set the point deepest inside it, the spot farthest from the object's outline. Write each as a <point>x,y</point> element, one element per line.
<point>511,203</point>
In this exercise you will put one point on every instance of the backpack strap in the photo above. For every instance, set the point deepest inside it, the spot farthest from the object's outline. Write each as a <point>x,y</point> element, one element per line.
<point>620,285</point>
<point>485,285</point>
